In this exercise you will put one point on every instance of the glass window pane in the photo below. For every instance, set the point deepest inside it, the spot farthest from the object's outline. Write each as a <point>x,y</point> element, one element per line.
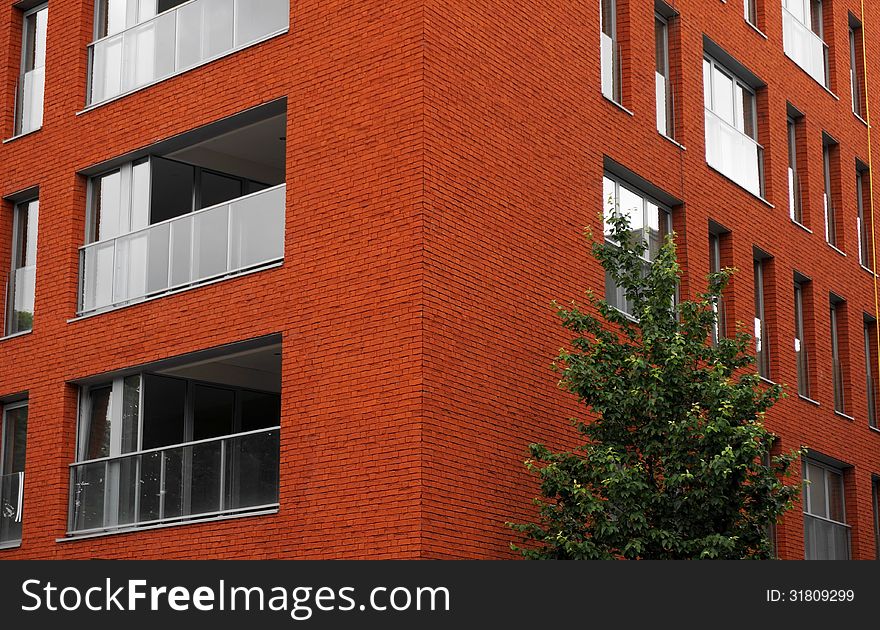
<point>164,411</point>
<point>259,410</point>
<point>835,496</point>
<point>112,16</point>
<point>107,191</point>
<point>172,186</point>
<point>816,490</point>
<point>131,399</point>
<point>722,98</point>
<point>216,189</point>
<point>213,412</point>
<point>609,199</point>
<point>707,84</point>
<point>632,206</point>
<point>14,434</point>
<point>96,433</point>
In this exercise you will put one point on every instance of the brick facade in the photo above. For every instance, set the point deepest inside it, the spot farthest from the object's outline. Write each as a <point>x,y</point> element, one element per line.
<point>443,160</point>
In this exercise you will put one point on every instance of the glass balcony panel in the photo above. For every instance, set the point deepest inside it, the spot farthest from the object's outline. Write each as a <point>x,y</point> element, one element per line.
<point>131,267</point>
<point>158,252</point>
<point>89,481</point>
<point>150,486</point>
<point>30,100</point>
<point>804,47</point>
<point>106,69</point>
<point>98,275</point>
<point>11,506</point>
<point>188,480</point>
<point>189,34</point>
<point>207,464</point>
<point>210,242</point>
<point>219,28</point>
<point>259,18</point>
<point>180,38</point>
<point>258,228</point>
<point>174,479</point>
<point>733,153</point>
<point>252,469</point>
<point>181,251</point>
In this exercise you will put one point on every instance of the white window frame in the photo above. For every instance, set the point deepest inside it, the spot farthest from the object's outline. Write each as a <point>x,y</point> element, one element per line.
<point>665,109</point>
<point>614,89</point>
<point>17,247</point>
<point>806,501</point>
<point>25,44</point>
<point>664,216</point>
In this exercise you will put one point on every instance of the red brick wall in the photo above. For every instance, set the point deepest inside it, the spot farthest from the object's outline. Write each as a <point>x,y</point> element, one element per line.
<point>443,160</point>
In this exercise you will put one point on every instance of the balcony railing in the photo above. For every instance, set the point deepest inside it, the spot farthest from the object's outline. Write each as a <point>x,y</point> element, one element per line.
<point>195,480</point>
<point>29,101</point>
<point>733,153</point>
<point>186,36</point>
<point>825,539</point>
<point>804,47</point>
<point>11,505</point>
<point>225,239</point>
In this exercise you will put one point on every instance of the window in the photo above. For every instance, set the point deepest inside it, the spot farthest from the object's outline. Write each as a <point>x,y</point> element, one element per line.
<point>838,354</point>
<point>731,127</point>
<point>750,12</point>
<point>762,337</point>
<point>795,206</point>
<point>803,37</point>
<point>801,347</point>
<point>856,67</point>
<point>648,221</point>
<point>875,496</point>
<point>13,443</point>
<point>871,374</point>
<point>139,42</point>
<point>610,51</point>
<point>826,534</point>
<point>21,283</point>
<point>153,448</point>
<point>829,167</point>
<point>663,78</point>
<point>32,78</point>
<point>862,225</point>
<point>717,261</point>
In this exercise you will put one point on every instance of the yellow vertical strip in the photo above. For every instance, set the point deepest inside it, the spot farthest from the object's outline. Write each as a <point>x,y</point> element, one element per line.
<point>871,181</point>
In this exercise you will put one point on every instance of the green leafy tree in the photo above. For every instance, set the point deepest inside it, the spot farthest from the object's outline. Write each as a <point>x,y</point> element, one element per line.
<point>676,462</point>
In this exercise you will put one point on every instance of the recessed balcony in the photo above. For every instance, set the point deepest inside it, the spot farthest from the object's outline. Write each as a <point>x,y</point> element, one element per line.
<point>174,220</point>
<point>177,442</point>
<point>144,44</point>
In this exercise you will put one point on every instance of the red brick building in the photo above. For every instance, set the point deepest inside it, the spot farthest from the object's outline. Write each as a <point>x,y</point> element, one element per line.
<point>278,273</point>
